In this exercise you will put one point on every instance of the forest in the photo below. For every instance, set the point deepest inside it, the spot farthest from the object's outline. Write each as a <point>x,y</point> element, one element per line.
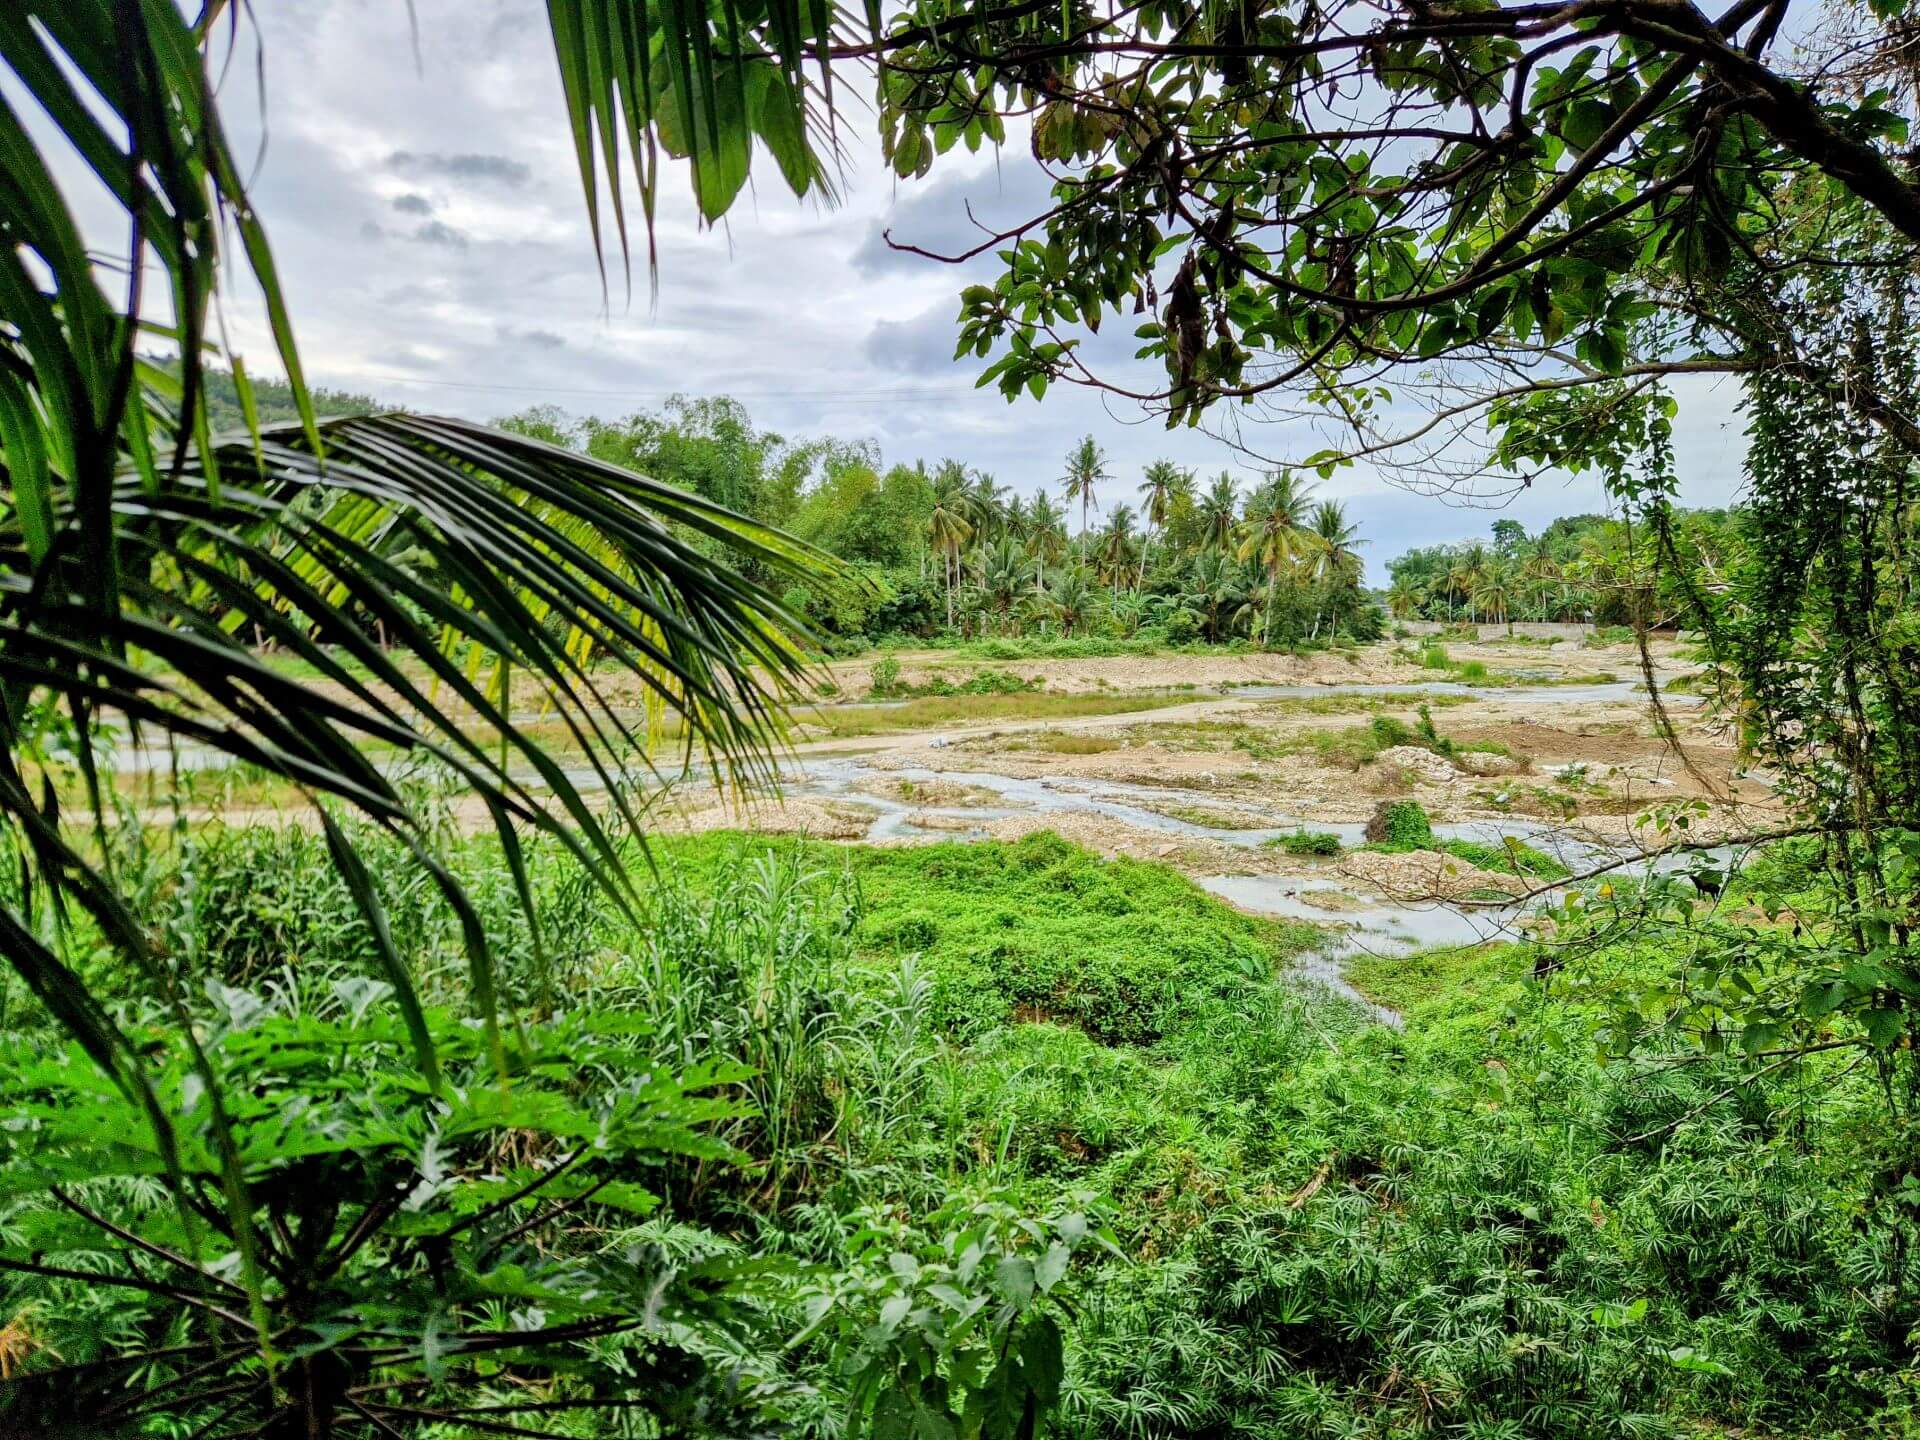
<point>651,927</point>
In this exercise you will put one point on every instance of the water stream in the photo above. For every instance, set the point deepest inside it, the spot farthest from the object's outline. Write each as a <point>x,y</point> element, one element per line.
<point>1355,921</point>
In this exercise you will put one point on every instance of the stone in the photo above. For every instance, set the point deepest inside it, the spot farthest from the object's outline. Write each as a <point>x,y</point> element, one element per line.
<point>1477,762</point>
<point>1436,769</point>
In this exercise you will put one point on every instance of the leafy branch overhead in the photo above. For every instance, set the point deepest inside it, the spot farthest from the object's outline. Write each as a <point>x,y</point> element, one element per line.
<point>1331,209</point>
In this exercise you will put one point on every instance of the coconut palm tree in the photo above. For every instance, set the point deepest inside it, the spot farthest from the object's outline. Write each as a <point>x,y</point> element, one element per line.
<point>1492,594</point>
<point>1220,511</point>
<point>1464,576</point>
<point>1158,487</point>
<point>1073,600</point>
<point>989,507</point>
<point>1216,589</point>
<point>1405,596</point>
<point>1542,578</point>
<point>949,526</point>
<point>1274,532</point>
<point>1332,559</point>
<point>1113,551</point>
<point>1004,567</point>
<point>131,526</point>
<point>147,556</point>
<point>1086,468</point>
<point>1046,536</point>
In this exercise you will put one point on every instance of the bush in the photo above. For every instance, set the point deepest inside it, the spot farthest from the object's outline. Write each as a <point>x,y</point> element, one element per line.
<point>884,678</point>
<point>1401,825</point>
<point>1182,626</point>
<point>1307,842</point>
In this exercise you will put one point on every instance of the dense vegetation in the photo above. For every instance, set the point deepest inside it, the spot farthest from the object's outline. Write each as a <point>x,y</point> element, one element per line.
<point>945,551</point>
<point>1581,568</point>
<point>385,1128</point>
<point>1232,1202</point>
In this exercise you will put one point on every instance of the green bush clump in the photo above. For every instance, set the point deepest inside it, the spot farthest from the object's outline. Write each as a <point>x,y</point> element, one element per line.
<point>887,684</point>
<point>1401,825</point>
<point>1041,929</point>
<point>884,678</point>
<point>1307,842</point>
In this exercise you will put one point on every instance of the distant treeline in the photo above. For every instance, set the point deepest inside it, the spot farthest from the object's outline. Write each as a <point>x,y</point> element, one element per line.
<point>1580,568</point>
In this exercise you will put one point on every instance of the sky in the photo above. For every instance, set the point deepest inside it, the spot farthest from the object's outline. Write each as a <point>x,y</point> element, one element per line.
<point>426,214</point>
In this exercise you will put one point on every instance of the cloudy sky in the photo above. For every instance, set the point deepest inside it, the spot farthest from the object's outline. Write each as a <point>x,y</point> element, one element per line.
<point>432,239</point>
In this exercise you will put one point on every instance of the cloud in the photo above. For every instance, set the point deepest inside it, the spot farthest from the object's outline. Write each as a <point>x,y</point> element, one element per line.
<point>413,204</point>
<point>953,213</point>
<point>497,168</point>
<point>922,345</point>
<point>438,232</point>
<point>538,339</point>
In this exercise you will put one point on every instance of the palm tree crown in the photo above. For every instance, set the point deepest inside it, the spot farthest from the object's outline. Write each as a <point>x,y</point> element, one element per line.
<point>1086,468</point>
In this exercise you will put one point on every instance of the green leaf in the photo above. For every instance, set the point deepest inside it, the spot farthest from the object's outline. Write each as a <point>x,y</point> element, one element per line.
<point>1043,1359</point>
<point>1013,1277</point>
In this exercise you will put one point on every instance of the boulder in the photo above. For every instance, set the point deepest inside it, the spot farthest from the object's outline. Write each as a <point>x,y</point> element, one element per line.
<point>1436,769</point>
<point>1478,762</point>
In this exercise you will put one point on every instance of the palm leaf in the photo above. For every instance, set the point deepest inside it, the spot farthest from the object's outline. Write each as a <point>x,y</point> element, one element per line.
<point>143,556</point>
<point>703,81</point>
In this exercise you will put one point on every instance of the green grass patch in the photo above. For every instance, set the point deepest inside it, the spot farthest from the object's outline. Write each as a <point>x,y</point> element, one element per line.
<point>1211,818</point>
<point>1066,742</point>
<point>1407,982</point>
<point>1041,930</point>
<point>1084,647</point>
<point>843,722</point>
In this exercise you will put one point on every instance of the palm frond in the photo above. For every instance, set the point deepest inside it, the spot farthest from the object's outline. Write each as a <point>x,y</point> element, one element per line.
<point>702,83</point>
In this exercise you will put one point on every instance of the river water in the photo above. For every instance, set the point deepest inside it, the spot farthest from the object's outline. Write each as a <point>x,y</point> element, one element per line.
<point>1355,919</point>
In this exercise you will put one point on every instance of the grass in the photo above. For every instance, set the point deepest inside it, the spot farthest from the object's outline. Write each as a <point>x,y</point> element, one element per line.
<point>1435,657</point>
<point>1041,930</point>
<point>1211,818</point>
<point>1319,1226</point>
<point>1079,647</point>
<point>1355,746</point>
<point>1066,742</point>
<point>1406,982</point>
<point>846,722</point>
<point>1513,857</point>
<point>887,684</point>
<point>1349,703</point>
<point>1408,829</point>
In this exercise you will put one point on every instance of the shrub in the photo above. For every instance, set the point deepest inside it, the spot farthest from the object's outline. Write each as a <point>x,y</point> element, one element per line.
<point>1307,842</point>
<point>1182,627</point>
<point>884,679</point>
<point>1401,825</point>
